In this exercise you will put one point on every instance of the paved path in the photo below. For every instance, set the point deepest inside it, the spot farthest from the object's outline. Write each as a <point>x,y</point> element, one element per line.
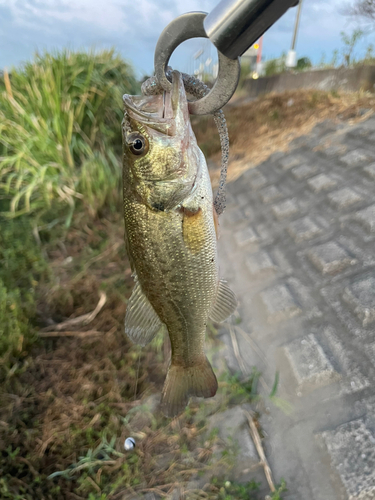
<point>298,247</point>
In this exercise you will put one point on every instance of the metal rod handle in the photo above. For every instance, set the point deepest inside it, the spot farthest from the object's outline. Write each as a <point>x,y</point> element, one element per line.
<point>234,25</point>
<point>296,25</point>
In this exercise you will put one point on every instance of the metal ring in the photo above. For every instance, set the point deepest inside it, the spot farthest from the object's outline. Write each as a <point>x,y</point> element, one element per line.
<point>183,28</point>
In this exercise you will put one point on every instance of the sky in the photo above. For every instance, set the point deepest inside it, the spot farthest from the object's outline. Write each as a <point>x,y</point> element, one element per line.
<point>133,28</point>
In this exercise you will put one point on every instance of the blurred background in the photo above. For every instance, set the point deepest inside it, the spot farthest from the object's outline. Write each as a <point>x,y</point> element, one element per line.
<point>30,26</point>
<point>73,387</point>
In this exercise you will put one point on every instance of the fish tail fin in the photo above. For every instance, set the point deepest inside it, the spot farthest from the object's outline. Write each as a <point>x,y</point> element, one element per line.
<point>181,383</point>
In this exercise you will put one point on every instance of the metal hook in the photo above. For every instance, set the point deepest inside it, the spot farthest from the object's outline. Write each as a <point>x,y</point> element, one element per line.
<point>183,28</point>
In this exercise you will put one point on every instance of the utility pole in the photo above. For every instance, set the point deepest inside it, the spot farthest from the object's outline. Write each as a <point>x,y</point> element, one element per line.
<point>259,65</point>
<point>291,59</point>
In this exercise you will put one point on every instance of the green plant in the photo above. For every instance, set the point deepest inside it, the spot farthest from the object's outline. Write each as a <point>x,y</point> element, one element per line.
<point>322,62</point>
<point>231,490</point>
<point>60,131</point>
<point>335,57</point>
<point>22,268</point>
<point>276,495</point>
<point>303,63</point>
<point>237,389</point>
<point>274,66</point>
<point>369,56</point>
<point>102,455</point>
<point>350,41</point>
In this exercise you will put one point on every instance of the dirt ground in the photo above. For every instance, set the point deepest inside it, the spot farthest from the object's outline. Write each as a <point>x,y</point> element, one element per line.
<point>268,124</point>
<point>67,406</point>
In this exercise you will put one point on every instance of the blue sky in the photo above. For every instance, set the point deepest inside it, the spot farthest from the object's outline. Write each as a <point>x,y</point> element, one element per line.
<point>29,25</point>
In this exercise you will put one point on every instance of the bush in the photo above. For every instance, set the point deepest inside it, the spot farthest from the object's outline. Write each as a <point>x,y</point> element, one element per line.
<point>22,267</point>
<point>60,131</point>
<point>303,63</point>
<point>274,66</point>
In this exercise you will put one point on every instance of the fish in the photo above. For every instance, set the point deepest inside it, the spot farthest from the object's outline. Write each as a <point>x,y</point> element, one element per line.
<point>171,240</point>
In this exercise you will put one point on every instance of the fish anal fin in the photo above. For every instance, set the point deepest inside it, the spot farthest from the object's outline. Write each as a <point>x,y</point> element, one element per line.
<point>225,303</point>
<point>182,383</point>
<point>141,321</point>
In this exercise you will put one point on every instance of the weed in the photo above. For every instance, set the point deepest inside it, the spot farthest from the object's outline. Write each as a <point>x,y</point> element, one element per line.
<point>276,495</point>
<point>22,269</point>
<point>222,489</point>
<point>275,115</point>
<point>350,41</point>
<point>239,390</point>
<point>60,134</point>
<point>99,457</point>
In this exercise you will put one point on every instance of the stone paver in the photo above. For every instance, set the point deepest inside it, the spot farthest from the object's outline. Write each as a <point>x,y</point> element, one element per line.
<point>360,295</point>
<point>304,171</point>
<point>290,162</point>
<point>370,170</point>
<point>303,229</point>
<point>352,450</point>
<point>279,303</point>
<point>330,258</point>
<point>303,267</point>
<point>310,364</point>
<point>246,236</point>
<point>258,181</point>
<point>366,217</point>
<point>321,182</point>
<point>285,209</point>
<point>259,263</point>
<point>344,198</point>
<point>357,158</point>
<point>271,193</point>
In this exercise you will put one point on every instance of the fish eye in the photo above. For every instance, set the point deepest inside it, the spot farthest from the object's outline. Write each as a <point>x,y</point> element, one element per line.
<point>138,144</point>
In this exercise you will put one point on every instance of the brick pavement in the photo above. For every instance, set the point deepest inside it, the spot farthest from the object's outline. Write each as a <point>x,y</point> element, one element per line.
<point>298,247</point>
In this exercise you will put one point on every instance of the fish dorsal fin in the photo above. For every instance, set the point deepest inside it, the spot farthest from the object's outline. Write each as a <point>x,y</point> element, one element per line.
<point>141,321</point>
<point>225,303</point>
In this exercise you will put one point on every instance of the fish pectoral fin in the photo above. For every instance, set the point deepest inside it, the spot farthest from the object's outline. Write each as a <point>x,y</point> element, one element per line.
<point>141,321</point>
<point>225,303</point>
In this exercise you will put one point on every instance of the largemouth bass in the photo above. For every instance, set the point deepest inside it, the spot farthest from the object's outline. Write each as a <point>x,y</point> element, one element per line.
<point>170,235</point>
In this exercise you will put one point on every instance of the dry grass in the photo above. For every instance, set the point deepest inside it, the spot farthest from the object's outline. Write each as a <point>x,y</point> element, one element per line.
<point>67,407</point>
<point>268,124</point>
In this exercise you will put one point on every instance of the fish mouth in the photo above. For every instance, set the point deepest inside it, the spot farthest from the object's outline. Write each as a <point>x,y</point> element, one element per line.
<point>158,109</point>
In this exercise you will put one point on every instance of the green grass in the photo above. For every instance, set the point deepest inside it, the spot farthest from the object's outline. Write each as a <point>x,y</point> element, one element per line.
<point>229,490</point>
<point>60,132</point>
<point>22,268</point>
<point>60,155</point>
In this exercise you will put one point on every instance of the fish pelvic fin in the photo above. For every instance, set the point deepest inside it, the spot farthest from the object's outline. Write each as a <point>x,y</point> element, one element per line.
<point>181,383</point>
<point>225,303</point>
<point>141,321</point>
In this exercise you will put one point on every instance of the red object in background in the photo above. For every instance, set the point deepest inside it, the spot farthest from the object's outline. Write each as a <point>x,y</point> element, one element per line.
<point>259,54</point>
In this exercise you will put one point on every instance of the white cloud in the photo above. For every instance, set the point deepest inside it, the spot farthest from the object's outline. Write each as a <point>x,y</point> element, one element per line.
<point>134,27</point>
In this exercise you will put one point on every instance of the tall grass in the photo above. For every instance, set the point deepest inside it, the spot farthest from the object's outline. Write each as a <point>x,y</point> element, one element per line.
<point>60,150</point>
<point>60,136</point>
